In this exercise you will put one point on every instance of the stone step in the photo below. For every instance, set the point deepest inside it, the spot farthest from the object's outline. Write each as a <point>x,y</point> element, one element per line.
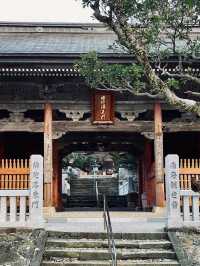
<point>63,262</point>
<point>124,236</point>
<point>103,254</point>
<point>76,201</point>
<point>98,243</point>
<point>86,186</point>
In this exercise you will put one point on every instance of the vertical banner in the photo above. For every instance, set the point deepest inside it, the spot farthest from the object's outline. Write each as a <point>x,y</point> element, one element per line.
<point>36,191</point>
<point>102,107</point>
<point>172,190</point>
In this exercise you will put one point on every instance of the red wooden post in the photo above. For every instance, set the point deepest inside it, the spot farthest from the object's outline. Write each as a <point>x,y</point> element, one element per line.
<point>48,168</point>
<point>150,177</point>
<point>56,176</point>
<point>158,150</point>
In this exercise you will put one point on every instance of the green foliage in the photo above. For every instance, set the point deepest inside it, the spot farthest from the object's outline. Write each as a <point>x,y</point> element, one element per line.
<point>100,75</point>
<point>152,17</point>
<point>84,161</point>
<point>173,83</point>
<point>78,160</point>
<point>153,32</point>
<point>122,159</point>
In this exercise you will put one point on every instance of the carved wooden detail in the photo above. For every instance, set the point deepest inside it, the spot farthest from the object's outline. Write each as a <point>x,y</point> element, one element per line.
<point>16,117</point>
<point>131,115</point>
<point>58,135</point>
<point>74,115</point>
<point>186,117</point>
<point>148,135</point>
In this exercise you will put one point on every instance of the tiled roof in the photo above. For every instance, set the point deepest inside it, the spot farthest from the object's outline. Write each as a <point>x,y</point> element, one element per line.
<point>64,39</point>
<point>56,41</point>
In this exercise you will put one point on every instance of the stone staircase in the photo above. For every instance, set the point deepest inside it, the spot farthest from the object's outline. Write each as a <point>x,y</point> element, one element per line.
<point>91,201</point>
<point>86,249</point>
<point>86,186</point>
<point>83,193</point>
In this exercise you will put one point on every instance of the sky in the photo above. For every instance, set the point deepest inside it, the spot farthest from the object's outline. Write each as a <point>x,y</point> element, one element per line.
<point>44,11</point>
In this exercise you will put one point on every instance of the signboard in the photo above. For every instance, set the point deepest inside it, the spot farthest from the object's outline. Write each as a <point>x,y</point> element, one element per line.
<point>102,107</point>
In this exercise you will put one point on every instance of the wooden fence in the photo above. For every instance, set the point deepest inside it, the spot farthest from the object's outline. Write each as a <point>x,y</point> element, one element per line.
<point>189,169</point>
<point>14,174</point>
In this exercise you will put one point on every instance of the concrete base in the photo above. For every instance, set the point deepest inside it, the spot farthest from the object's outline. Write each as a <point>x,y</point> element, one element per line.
<point>160,211</point>
<point>49,211</point>
<point>119,225</point>
<point>127,222</point>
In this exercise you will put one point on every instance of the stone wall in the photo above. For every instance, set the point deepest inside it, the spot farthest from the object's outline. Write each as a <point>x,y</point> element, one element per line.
<point>21,247</point>
<point>186,242</point>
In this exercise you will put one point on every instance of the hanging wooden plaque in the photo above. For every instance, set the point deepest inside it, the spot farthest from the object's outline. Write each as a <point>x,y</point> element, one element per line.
<point>103,107</point>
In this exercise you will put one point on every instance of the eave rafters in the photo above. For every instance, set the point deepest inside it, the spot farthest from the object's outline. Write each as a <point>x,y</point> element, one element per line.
<point>64,71</point>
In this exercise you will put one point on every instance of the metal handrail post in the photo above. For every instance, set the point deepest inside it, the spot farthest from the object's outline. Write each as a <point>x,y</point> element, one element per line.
<point>108,227</point>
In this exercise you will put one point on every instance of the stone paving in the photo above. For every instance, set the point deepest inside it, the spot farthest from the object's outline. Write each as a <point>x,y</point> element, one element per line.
<point>127,222</point>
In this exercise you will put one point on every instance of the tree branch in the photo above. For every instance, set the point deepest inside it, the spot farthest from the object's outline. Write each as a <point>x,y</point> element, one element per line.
<point>129,88</point>
<point>180,75</point>
<point>128,37</point>
<point>193,93</point>
<point>97,13</point>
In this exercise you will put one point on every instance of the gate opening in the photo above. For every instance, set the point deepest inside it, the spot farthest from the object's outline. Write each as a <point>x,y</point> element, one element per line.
<point>87,176</point>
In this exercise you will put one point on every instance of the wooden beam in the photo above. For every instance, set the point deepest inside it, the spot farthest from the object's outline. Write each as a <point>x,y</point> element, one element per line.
<point>179,126</point>
<point>158,151</point>
<point>119,126</point>
<point>86,126</point>
<point>48,153</point>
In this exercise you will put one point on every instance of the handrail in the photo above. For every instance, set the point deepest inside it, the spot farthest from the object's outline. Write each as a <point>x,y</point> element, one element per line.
<point>123,190</point>
<point>108,227</point>
<point>97,192</point>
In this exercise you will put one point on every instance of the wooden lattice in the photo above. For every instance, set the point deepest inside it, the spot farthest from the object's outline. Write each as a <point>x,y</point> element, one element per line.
<point>14,174</point>
<point>189,171</point>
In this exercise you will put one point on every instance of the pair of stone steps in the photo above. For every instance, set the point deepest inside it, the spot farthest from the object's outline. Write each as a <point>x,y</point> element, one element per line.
<point>84,249</point>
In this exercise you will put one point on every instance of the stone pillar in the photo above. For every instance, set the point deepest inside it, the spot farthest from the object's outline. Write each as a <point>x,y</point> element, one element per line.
<point>48,154</point>
<point>36,192</point>
<point>174,219</point>
<point>158,151</point>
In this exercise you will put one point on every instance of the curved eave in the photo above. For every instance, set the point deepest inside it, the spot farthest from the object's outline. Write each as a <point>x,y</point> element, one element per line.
<point>58,65</point>
<point>70,57</point>
<point>60,58</point>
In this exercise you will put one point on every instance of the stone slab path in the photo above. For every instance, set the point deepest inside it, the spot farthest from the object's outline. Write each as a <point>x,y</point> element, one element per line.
<point>93,222</point>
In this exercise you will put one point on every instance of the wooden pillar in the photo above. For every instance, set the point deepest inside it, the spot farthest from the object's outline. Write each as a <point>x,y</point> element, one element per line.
<point>2,146</point>
<point>149,174</point>
<point>158,150</point>
<point>48,152</point>
<point>57,175</point>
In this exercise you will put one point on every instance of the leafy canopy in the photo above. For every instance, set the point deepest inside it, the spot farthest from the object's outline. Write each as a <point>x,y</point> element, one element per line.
<point>154,32</point>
